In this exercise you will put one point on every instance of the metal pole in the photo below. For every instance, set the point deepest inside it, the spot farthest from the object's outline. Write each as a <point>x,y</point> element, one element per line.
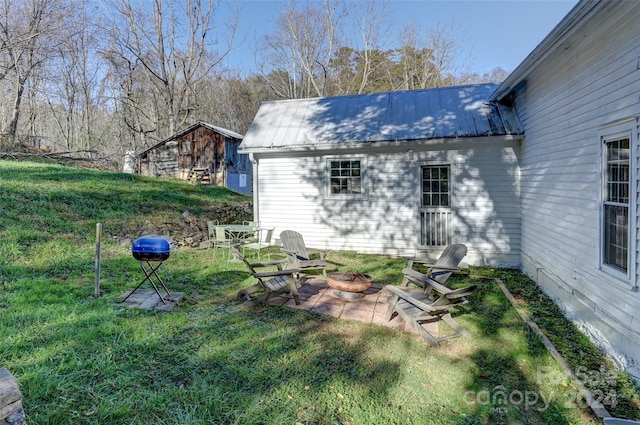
<point>96,289</point>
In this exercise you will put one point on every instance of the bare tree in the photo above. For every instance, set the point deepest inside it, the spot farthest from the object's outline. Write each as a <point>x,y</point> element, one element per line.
<point>496,75</point>
<point>170,46</point>
<point>230,101</point>
<point>416,66</point>
<point>307,54</point>
<point>373,24</point>
<point>433,62</point>
<point>29,33</point>
<point>296,57</point>
<point>132,103</point>
<point>75,82</point>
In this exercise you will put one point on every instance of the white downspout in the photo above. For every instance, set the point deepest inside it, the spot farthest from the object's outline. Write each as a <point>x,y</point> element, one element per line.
<point>254,187</point>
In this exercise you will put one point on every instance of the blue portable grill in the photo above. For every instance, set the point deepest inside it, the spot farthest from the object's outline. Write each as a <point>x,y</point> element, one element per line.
<point>151,248</point>
<point>146,250</point>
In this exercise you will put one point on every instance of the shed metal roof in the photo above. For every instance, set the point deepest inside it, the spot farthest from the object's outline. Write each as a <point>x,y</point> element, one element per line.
<point>227,133</point>
<point>447,112</point>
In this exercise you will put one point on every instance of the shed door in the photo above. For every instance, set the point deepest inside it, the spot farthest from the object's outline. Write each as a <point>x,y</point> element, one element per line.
<point>435,206</point>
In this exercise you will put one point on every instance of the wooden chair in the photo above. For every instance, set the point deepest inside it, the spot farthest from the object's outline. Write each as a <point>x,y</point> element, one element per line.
<point>271,283</point>
<point>417,308</point>
<point>299,255</point>
<point>438,271</point>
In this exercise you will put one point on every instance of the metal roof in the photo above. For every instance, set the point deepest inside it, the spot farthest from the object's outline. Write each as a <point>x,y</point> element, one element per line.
<point>227,133</point>
<point>447,112</point>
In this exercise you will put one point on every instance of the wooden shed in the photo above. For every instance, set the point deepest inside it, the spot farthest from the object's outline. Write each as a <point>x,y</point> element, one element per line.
<point>202,153</point>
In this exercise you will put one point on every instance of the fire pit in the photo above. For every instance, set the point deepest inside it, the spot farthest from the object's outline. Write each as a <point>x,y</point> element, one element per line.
<point>149,249</point>
<point>349,285</point>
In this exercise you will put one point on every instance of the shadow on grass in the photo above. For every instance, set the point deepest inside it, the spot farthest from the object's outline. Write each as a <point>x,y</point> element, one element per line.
<point>81,360</point>
<point>508,390</point>
<point>213,361</point>
<point>503,393</point>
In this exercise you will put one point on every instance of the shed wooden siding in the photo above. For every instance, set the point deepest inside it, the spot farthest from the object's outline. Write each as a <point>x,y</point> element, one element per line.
<point>160,162</point>
<point>206,149</point>
<point>591,80</point>
<point>485,200</point>
<point>201,146</point>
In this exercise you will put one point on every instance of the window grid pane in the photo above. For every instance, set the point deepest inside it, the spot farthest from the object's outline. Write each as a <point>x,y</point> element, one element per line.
<point>435,186</point>
<point>616,205</point>
<point>345,177</point>
<point>616,239</point>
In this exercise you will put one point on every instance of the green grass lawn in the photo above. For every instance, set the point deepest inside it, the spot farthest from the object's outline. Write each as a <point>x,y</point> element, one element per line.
<point>82,360</point>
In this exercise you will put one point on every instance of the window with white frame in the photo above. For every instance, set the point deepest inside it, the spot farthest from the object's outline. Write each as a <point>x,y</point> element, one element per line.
<point>615,249</point>
<point>435,205</point>
<point>345,176</point>
<point>435,186</point>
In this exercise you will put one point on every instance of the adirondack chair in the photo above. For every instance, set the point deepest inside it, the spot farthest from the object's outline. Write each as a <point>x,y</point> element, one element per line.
<point>417,308</point>
<point>271,283</point>
<point>439,271</point>
<point>299,255</point>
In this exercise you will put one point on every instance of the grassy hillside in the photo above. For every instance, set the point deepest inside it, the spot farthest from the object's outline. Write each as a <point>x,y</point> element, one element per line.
<point>81,360</point>
<point>61,201</point>
<point>48,216</point>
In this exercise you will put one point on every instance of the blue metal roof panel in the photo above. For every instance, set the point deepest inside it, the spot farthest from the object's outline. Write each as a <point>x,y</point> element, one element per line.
<point>448,112</point>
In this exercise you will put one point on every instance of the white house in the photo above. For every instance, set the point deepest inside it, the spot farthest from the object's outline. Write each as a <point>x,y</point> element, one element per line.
<point>553,191</point>
<point>391,173</point>
<point>578,98</point>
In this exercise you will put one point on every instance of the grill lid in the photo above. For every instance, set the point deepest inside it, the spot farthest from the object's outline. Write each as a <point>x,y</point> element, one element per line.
<point>151,248</point>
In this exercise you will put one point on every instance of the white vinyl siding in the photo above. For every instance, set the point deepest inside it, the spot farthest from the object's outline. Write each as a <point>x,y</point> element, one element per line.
<point>484,193</point>
<point>588,82</point>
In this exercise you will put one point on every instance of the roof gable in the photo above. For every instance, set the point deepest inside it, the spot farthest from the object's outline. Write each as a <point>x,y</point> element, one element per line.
<point>447,112</point>
<point>560,38</point>
<point>227,133</point>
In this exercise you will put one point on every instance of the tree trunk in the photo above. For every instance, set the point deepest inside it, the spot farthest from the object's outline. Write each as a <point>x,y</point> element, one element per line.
<point>15,115</point>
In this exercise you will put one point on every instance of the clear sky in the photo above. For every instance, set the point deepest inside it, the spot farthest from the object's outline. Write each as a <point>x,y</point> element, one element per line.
<point>492,33</point>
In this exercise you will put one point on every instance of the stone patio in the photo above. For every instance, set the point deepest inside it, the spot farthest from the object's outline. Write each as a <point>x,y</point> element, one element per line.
<point>316,296</point>
<point>148,299</point>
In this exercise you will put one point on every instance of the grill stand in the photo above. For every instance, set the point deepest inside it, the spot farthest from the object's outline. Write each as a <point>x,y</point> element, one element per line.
<point>149,272</point>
